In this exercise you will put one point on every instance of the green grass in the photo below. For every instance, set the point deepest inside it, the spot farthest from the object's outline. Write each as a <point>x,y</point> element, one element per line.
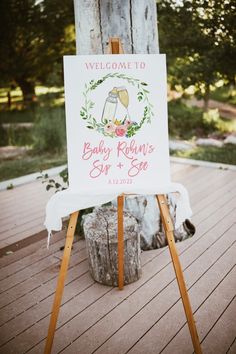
<point>225,154</point>
<point>17,136</point>
<point>18,116</point>
<point>47,99</point>
<point>29,164</point>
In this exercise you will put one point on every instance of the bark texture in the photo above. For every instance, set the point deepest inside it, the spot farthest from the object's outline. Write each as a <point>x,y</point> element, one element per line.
<point>147,213</point>
<point>135,22</point>
<point>100,230</point>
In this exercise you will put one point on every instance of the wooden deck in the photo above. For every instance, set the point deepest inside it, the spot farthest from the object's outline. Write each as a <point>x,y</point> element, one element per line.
<point>147,316</point>
<point>22,214</point>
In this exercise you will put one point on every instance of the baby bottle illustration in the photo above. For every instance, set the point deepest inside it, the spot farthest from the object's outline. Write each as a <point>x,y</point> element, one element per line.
<point>111,102</point>
<point>109,109</point>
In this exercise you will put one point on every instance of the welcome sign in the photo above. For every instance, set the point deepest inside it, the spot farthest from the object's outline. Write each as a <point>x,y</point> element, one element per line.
<point>116,118</point>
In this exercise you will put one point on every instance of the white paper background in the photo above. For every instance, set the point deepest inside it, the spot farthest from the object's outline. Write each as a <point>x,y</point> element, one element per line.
<point>156,133</point>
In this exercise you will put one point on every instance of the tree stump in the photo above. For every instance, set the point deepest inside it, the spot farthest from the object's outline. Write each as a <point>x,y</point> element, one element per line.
<point>100,230</point>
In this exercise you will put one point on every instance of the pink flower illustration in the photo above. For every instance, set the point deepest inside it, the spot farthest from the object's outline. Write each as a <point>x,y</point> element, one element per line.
<point>110,128</point>
<point>128,123</point>
<point>121,130</point>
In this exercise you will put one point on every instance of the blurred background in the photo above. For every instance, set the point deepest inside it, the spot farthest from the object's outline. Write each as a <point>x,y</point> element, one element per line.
<point>198,38</point>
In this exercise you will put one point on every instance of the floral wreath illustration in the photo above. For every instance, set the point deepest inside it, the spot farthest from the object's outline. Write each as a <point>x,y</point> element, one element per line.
<point>117,128</point>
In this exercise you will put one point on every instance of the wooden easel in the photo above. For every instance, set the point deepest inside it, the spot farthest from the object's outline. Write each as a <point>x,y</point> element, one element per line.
<point>115,47</point>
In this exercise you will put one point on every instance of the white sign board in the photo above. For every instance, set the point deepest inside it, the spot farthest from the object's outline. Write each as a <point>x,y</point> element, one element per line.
<point>116,118</point>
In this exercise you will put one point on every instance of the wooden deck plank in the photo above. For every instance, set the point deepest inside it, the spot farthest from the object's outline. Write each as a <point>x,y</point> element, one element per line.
<point>31,249</point>
<point>186,171</point>
<point>223,333</point>
<point>195,192</point>
<point>158,336</point>
<point>33,259</point>
<point>181,244</point>
<point>205,181</point>
<point>42,252</point>
<point>175,167</point>
<point>39,279</point>
<point>30,189</point>
<point>219,203</point>
<point>11,194</point>
<point>20,219</point>
<point>123,337</point>
<point>94,317</point>
<point>206,199</point>
<point>28,272</point>
<point>77,287</point>
<point>28,216</point>
<point>232,347</point>
<point>160,265</point>
<point>7,235</point>
<point>29,200</point>
<point>208,313</point>
<point>37,295</point>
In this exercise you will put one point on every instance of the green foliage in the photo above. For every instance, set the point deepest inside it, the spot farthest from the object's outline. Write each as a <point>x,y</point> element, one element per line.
<point>3,136</point>
<point>52,184</point>
<point>225,94</point>
<point>211,117</point>
<point>225,154</point>
<point>199,40</point>
<point>49,132</point>
<point>17,116</point>
<point>17,136</point>
<point>187,122</point>
<point>34,35</point>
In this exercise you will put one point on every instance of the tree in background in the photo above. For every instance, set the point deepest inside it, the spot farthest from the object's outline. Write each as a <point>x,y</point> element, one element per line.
<point>34,35</point>
<point>199,39</point>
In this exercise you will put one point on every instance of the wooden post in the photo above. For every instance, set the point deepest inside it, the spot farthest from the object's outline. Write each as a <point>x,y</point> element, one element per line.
<point>120,232</point>
<point>169,228</point>
<point>115,47</point>
<point>61,281</point>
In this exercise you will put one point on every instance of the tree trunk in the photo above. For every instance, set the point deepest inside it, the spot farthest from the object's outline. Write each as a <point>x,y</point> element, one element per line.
<point>9,99</point>
<point>206,98</point>
<point>100,230</point>
<point>135,22</point>
<point>28,90</point>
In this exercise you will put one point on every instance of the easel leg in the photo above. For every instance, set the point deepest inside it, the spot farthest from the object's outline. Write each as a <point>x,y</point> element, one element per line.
<point>168,226</point>
<point>60,282</point>
<point>120,207</point>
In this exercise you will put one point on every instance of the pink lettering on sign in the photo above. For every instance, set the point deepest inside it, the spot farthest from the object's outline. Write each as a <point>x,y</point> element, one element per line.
<point>129,156</point>
<point>129,150</point>
<point>137,167</point>
<point>101,149</point>
<point>99,168</point>
<point>115,65</point>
